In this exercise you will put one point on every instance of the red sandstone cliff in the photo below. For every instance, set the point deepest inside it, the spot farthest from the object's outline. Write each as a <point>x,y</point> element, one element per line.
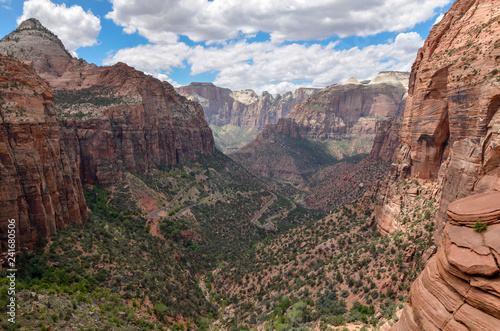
<point>351,109</point>
<point>113,118</point>
<point>243,108</point>
<point>451,121</point>
<point>39,185</point>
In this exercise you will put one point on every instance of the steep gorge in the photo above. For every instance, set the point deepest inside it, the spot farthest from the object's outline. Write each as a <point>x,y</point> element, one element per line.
<point>340,121</point>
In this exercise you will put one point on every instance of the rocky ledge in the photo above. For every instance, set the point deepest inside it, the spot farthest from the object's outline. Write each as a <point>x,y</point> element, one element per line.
<point>459,288</point>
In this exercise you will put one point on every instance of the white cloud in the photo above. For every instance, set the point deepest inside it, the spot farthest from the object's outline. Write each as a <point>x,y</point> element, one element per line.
<point>439,18</point>
<point>276,68</point>
<point>152,58</point>
<point>75,27</point>
<point>162,20</point>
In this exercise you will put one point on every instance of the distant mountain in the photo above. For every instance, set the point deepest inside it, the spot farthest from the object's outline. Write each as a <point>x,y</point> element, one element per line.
<point>113,118</point>
<point>340,121</point>
<point>236,117</point>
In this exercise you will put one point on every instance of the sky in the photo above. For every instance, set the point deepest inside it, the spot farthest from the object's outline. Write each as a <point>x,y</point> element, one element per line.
<point>264,45</point>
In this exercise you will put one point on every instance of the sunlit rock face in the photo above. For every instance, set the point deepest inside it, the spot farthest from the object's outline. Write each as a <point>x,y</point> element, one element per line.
<point>39,184</point>
<point>459,288</point>
<point>451,124</point>
<point>243,108</point>
<point>349,109</point>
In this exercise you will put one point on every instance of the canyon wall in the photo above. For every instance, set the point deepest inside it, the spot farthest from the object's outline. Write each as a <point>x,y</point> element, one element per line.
<point>451,124</point>
<point>352,109</point>
<point>40,187</point>
<point>243,108</point>
<point>338,122</point>
<point>112,118</point>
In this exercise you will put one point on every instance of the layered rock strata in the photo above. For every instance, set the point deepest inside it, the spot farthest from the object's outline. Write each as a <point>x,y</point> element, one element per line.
<point>113,118</point>
<point>243,108</point>
<point>352,108</point>
<point>459,288</point>
<point>39,184</point>
<point>451,123</point>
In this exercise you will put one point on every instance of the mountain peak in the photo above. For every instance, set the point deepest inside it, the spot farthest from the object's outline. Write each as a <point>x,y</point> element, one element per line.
<point>352,81</point>
<point>31,24</point>
<point>37,46</point>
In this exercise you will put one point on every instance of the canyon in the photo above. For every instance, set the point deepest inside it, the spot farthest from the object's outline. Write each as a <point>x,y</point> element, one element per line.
<point>383,194</point>
<point>338,122</point>
<point>237,117</point>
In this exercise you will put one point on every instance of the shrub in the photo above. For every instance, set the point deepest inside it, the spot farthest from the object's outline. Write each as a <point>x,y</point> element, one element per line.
<point>479,227</point>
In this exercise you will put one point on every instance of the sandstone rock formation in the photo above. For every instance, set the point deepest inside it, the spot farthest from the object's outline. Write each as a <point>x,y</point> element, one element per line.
<point>337,122</point>
<point>341,111</point>
<point>243,108</point>
<point>451,123</point>
<point>459,288</point>
<point>40,187</point>
<point>236,118</point>
<point>113,118</point>
<point>386,139</point>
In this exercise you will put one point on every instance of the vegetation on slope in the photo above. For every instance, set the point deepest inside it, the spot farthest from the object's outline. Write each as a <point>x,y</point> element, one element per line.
<point>326,273</point>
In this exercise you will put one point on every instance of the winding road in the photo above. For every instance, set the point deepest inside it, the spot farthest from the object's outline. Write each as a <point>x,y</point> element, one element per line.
<point>256,217</point>
<point>154,217</point>
<point>154,214</point>
<point>268,220</point>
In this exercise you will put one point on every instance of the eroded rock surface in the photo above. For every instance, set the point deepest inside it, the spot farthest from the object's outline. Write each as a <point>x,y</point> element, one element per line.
<point>351,108</point>
<point>39,184</point>
<point>243,108</point>
<point>113,118</point>
<point>459,288</point>
<point>451,124</point>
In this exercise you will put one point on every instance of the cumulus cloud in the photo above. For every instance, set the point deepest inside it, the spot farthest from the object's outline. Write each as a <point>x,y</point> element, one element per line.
<point>75,27</point>
<point>162,20</point>
<point>152,58</point>
<point>266,66</point>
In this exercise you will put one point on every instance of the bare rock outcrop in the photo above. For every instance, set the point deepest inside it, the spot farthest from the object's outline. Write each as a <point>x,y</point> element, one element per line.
<point>451,124</point>
<point>386,139</point>
<point>243,108</point>
<point>352,108</point>
<point>337,122</point>
<point>39,184</point>
<point>113,118</point>
<point>459,288</point>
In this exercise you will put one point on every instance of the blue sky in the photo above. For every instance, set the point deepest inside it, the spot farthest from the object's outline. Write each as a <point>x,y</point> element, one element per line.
<point>259,44</point>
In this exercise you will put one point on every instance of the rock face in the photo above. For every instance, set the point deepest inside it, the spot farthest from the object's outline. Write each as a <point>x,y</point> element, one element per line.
<point>243,108</point>
<point>451,123</point>
<point>280,152</point>
<point>340,111</point>
<point>386,139</point>
<point>113,118</point>
<point>337,122</point>
<point>459,288</point>
<point>40,187</point>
